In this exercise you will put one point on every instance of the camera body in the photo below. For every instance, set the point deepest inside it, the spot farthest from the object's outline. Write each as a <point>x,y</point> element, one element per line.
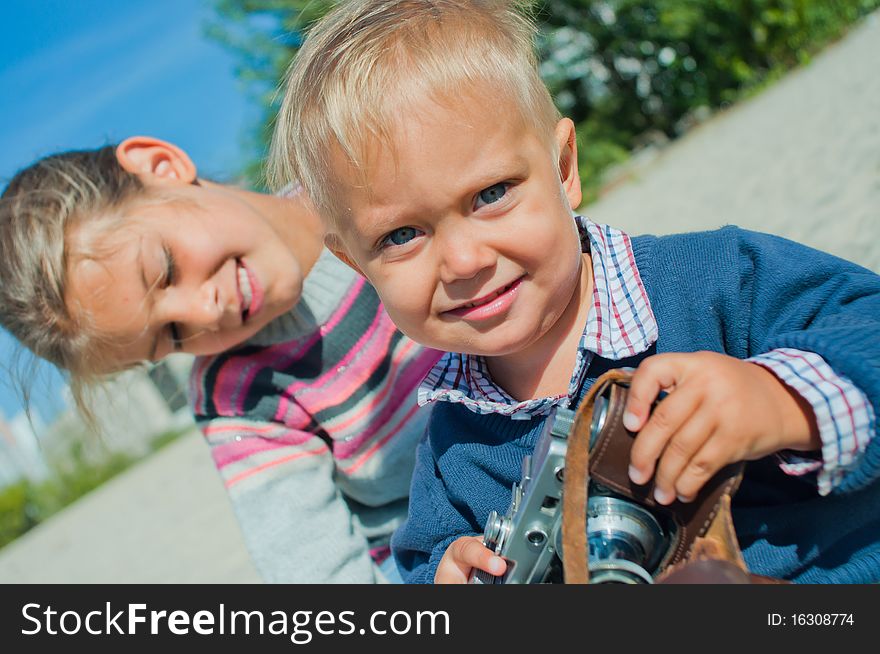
<point>629,542</point>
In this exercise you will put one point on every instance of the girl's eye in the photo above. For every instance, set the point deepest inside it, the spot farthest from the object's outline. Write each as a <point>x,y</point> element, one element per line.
<point>170,276</point>
<point>170,268</point>
<point>492,194</point>
<point>174,330</point>
<point>401,236</point>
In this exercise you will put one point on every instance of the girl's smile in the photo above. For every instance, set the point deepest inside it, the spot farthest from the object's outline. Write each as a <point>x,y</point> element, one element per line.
<point>199,271</point>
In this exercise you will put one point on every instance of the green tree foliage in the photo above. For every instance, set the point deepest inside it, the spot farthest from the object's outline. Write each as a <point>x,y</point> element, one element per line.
<point>625,70</point>
<point>265,35</point>
<point>15,517</point>
<point>25,504</point>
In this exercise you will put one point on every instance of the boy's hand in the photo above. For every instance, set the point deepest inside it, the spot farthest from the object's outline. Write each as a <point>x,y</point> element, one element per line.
<point>719,410</point>
<point>462,556</point>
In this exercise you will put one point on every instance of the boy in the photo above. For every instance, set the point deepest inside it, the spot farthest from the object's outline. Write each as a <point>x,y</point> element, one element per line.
<point>453,184</point>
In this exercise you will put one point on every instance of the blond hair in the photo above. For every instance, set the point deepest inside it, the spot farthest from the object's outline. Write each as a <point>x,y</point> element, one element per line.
<point>367,61</point>
<point>38,209</point>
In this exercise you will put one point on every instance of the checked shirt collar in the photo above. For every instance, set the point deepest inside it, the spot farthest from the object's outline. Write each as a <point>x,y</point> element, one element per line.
<point>620,324</point>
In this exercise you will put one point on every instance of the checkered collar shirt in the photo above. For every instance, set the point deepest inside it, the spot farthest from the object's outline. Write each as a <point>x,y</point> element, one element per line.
<point>620,324</point>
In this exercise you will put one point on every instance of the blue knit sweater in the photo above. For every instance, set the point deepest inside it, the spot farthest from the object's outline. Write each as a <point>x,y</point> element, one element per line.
<point>731,291</point>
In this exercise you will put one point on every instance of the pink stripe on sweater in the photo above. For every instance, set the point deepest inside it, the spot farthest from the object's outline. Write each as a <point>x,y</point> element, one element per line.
<point>211,429</point>
<point>411,378</point>
<point>360,363</point>
<point>393,383</point>
<point>291,391</point>
<point>238,373</point>
<point>196,387</point>
<point>234,451</point>
<point>298,418</point>
<point>361,460</point>
<point>252,471</point>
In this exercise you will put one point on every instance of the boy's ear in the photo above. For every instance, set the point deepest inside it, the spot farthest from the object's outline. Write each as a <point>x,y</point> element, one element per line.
<point>155,160</point>
<point>334,244</point>
<point>566,142</point>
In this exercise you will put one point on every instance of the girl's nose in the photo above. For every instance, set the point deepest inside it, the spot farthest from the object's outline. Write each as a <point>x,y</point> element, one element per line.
<point>206,311</point>
<point>195,311</point>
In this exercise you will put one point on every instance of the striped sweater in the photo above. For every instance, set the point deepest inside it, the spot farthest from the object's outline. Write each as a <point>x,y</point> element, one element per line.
<point>313,425</point>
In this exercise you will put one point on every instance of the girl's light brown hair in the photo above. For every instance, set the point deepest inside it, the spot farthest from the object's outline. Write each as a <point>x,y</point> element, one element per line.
<point>369,62</point>
<point>39,208</point>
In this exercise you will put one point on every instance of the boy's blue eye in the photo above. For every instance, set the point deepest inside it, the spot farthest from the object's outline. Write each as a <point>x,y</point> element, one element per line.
<point>493,193</point>
<point>401,236</point>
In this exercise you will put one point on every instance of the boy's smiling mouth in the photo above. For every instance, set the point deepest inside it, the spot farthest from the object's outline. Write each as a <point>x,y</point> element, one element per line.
<point>489,305</point>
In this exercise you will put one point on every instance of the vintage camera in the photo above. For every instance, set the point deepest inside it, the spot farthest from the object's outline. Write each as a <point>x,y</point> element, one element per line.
<point>628,541</point>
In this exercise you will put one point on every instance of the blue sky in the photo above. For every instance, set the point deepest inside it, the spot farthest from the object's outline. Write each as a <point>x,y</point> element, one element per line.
<point>83,73</point>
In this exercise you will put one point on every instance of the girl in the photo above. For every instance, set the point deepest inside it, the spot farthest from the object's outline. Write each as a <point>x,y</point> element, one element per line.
<point>301,385</point>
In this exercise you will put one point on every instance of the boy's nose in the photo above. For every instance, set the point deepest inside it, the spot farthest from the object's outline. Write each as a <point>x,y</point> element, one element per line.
<point>464,256</point>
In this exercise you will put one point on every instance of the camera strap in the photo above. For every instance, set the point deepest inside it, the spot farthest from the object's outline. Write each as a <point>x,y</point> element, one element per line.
<point>704,526</point>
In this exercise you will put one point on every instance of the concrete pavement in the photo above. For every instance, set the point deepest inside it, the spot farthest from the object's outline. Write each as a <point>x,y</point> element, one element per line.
<point>165,520</point>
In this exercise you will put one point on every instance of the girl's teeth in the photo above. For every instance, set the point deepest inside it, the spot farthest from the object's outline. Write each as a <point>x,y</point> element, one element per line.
<point>244,284</point>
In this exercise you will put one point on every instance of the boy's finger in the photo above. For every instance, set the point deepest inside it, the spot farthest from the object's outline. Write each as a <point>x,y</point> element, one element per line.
<point>665,421</point>
<point>706,462</point>
<point>680,451</point>
<point>653,375</point>
<point>461,557</point>
<point>471,553</point>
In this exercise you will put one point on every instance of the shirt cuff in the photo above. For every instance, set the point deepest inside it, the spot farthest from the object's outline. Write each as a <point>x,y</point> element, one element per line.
<point>843,414</point>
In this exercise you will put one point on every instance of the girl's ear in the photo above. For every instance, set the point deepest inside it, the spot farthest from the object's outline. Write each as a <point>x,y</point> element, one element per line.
<point>155,159</point>
<point>566,142</point>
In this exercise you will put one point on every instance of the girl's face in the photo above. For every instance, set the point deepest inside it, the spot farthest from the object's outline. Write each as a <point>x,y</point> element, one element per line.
<point>199,273</point>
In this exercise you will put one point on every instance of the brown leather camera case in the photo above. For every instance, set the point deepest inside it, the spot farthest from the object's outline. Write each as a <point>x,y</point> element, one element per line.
<point>705,528</point>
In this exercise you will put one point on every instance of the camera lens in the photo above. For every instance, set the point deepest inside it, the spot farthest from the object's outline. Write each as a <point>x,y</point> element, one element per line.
<point>615,545</point>
<point>625,541</point>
